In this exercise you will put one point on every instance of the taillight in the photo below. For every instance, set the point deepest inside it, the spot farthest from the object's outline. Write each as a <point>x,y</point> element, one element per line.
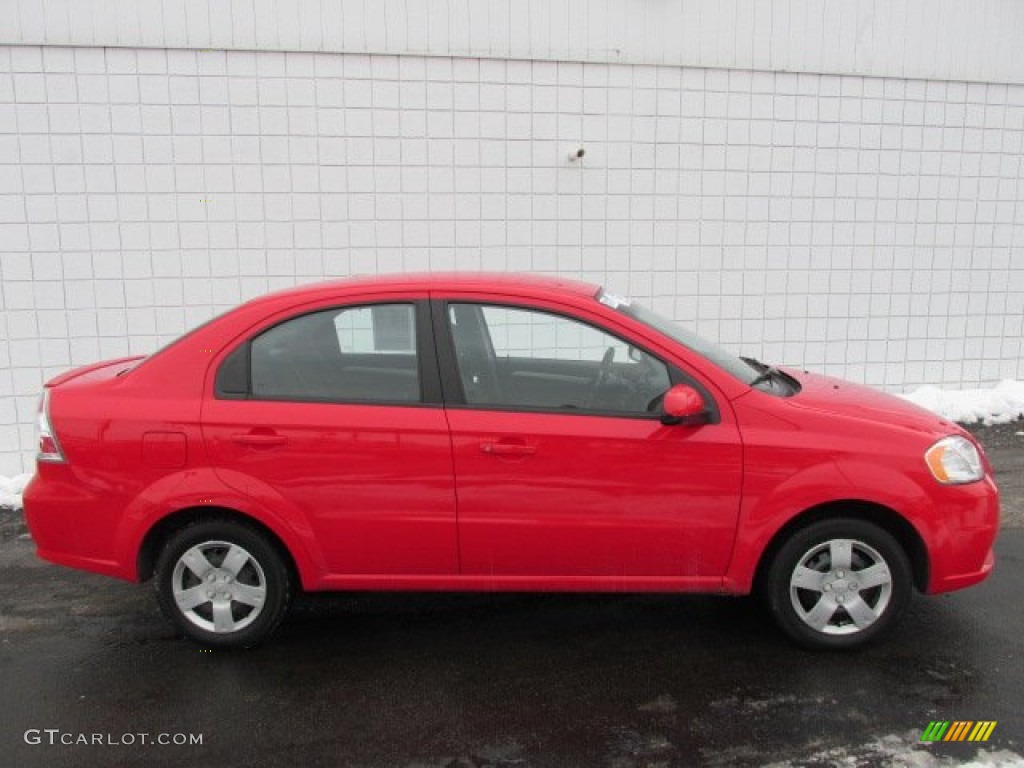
<point>49,448</point>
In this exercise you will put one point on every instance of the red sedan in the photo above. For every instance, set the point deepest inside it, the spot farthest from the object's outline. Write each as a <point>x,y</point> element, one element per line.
<point>497,432</point>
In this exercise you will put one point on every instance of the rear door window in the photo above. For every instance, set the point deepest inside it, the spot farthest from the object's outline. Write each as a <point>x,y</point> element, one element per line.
<point>352,354</point>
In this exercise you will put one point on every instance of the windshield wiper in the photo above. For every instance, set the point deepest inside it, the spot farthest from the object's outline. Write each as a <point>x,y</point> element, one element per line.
<point>767,372</point>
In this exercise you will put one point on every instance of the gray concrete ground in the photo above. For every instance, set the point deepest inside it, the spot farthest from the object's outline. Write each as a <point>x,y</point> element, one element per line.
<point>467,681</point>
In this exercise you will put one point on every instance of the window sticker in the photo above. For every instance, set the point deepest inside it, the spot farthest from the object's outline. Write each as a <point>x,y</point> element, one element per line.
<point>613,301</point>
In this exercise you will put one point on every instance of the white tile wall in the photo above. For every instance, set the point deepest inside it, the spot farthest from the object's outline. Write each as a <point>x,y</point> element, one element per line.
<point>940,39</point>
<point>861,226</point>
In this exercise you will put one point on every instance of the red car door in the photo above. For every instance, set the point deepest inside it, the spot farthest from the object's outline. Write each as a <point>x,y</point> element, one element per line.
<point>565,475</point>
<point>334,418</point>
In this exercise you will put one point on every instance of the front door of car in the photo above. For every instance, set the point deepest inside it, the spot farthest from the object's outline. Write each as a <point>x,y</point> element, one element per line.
<point>564,472</point>
<point>333,419</point>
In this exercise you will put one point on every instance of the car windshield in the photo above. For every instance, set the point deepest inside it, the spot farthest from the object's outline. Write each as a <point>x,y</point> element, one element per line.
<point>718,355</point>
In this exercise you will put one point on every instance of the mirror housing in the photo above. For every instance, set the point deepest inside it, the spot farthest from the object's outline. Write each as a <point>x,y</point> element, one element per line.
<point>683,404</point>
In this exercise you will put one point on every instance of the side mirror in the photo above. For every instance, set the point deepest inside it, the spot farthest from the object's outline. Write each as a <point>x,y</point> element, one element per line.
<point>683,405</point>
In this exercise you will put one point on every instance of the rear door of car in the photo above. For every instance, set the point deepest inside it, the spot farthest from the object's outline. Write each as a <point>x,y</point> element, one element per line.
<point>331,415</point>
<point>564,472</point>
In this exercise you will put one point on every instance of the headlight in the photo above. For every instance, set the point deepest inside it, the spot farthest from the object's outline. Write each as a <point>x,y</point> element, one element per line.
<point>954,461</point>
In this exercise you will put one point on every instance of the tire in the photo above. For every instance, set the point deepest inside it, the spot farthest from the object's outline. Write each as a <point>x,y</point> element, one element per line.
<point>222,583</point>
<point>834,608</point>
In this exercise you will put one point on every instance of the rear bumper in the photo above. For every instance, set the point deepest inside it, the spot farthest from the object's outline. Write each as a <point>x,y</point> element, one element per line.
<point>71,524</point>
<point>105,567</point>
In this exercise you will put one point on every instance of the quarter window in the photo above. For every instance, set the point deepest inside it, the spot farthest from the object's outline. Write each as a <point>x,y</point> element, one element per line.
<point>361,354</point>
<point>531,359</point>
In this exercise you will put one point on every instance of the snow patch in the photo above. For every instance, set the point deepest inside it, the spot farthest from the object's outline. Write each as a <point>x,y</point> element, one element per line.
<point>905,751</point>
<point>11,489</point>
<point>1000,404</point>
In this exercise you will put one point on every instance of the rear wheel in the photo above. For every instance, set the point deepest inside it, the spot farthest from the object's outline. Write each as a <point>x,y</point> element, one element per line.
<point>838,583</point>
<point>222,583</point>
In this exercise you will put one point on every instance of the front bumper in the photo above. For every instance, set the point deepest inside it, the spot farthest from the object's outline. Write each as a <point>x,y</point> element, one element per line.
<point>961,543</point>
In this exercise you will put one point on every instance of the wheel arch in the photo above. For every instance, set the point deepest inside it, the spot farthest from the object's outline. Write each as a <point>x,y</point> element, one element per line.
<point>884,517</point>
<point>152,542</point>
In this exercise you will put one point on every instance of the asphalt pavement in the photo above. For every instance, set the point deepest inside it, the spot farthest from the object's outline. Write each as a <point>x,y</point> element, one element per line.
<point>468,681</point>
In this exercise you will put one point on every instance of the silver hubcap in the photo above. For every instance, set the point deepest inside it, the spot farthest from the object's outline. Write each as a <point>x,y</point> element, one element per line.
<point>219,587</point>
<point>840,587</point>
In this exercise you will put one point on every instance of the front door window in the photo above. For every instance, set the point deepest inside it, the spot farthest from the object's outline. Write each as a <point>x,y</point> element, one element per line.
<point>529,359</point>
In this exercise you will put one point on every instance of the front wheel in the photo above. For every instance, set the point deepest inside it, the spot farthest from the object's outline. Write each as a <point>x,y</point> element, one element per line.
<point>222,583</point>
<point>838,584</point>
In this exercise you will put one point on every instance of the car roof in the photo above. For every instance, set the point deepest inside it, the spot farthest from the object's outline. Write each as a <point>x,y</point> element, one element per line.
<point>434,281</point>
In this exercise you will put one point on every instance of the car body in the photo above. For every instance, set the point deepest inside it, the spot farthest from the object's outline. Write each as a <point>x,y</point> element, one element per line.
<point>497,432</point>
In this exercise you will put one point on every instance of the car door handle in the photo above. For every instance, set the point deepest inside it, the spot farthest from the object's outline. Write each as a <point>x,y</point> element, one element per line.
<point>508,449</point>
<point>258,439</point>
